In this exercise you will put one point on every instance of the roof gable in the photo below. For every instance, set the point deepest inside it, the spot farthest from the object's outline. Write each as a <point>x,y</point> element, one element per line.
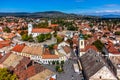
<point>103,73</point>
<point>91,63</point>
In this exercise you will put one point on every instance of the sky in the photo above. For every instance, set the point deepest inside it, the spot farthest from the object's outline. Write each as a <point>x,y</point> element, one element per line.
<point>68,6</point>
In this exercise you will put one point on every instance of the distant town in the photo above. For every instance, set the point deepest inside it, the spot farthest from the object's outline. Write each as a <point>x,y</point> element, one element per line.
<point>59,48</point>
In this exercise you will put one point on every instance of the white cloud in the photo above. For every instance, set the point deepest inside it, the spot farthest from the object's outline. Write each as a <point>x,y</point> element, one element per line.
<point>108,11</point>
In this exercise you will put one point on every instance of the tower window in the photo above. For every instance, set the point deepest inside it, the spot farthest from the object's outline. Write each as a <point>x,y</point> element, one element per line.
<point>81,42</point>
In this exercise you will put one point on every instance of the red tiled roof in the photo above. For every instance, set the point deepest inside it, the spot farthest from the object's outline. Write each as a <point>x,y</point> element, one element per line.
<point>49,56</point>
<point>4,57</point>
<point>51,78</point>
<point>25,69</point>
<point>41,30</point>
<point>1,56</point>
<point>53,25</point>
<point>4,43</point>
<point>113,50</point>
<point>18,48</point>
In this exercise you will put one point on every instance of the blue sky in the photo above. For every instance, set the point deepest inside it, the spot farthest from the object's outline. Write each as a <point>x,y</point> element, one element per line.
<point>69,6</point>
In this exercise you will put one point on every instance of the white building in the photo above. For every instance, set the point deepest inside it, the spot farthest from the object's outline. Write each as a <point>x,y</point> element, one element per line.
<point>37,31</point>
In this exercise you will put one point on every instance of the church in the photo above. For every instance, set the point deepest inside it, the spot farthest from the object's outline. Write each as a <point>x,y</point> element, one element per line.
<point>37,31</point>
<point>83,47</point>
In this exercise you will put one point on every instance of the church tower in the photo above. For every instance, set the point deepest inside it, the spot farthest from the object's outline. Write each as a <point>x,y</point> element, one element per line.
<point>30,27</point>
<point>49,22</point>
<point>81,42</point>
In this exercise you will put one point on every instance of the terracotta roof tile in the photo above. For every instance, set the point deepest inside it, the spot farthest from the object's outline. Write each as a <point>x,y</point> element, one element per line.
<point>18,48</point>
<point>50,56</point>
<point>33,50</point>
<point>52,78</point>
<point>53,25</point>
<point>4,43</point>
<point>25,69</point>
<point>41,30</point>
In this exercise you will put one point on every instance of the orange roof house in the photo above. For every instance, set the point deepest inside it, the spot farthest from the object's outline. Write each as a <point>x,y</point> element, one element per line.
<point>41,30</point>
<point>53,25</point>
<point>48,55</point>
<point>18,48</point>
<point>5,43</point>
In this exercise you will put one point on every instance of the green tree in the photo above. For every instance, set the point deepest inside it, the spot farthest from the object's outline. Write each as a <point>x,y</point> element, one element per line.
<point>57,67</point>
<point>117,33</point>
<point>30,38</point>
<point>71,28</point>
<point>62,62</point>
<point>22,33</point>
<point>99,45</point>
<point>41,25</point>
<point>91,25</point>
<point>60,69</point>
<point>53,62</point>
<point>25,37</point>
<point>48,36</point>
<point>6,75</point>
<point>57,62</point>
<point>59,39</point>
<point>7,29</point>
<point>41,37</point>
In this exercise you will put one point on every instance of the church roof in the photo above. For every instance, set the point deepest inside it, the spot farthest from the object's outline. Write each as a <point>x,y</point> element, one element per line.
<point>81,37</point>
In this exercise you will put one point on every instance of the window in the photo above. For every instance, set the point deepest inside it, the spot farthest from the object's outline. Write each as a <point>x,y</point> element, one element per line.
<point>81,42</point>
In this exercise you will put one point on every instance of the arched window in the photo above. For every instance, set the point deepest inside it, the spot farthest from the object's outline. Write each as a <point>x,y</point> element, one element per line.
<point>81,42</point>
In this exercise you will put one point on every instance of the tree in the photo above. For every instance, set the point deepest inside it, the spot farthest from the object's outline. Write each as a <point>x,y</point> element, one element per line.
<point>62,62</point>
<point>87,36</point>
<point>117,33</point>
<point>57,62</point>
<point>91,25</point>
<point>59,39</point>
<point>22,33</point>
<point>57,67</point>
<point>55,34</point>
<point>25,37</point>
<point>60,69</point>
<point>51,46</point>
<point>30,38</point>
<point>53,62</point>
<point>6,29</point>
<point>99,45</point>
<point>42,25</point>
<point>48,36</point>
<point>71,28</point>
<point>6,75</point>
<point>41,38</point>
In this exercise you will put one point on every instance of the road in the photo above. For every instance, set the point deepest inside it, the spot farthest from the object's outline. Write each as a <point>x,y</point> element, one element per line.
<point>68,73</point>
